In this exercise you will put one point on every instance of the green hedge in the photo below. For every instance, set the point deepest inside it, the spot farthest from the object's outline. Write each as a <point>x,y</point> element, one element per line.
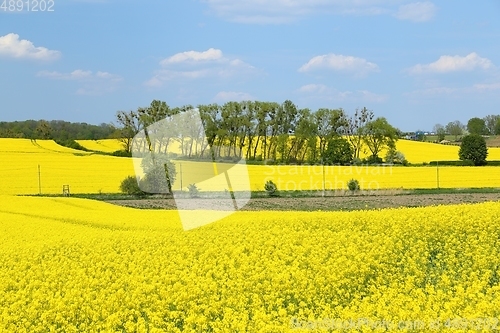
<point>71,144</point>
<point>463,163</point>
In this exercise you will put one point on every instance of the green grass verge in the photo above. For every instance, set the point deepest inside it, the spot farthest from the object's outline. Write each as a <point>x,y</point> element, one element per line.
<point>289,194</point>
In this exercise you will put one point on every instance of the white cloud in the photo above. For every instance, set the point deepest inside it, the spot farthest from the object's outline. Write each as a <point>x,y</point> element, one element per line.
<point>108,76</point>
<point>79,75</point>
<point>163,75</point>
<point>93,84</point>
<point>75,75</point>
<point>369,96</point>
<point>323,92</point>
<point>226,96</point>
<point>193,56</point>
<point>338,62</point>
<point>286,11</point>
<point>434,91</point>
<point>481,87</point>
<point>454,92</point>
<point>446,64</point>
<point>313,88</point>
<point>13,47</point>
<point>417,11</point>
<point>192,65</point>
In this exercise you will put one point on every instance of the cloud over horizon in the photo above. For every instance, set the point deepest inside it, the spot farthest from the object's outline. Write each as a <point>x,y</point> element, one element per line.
<point>233,96</point>
<point>447,64</point>
<point>324,92</point>
<point>193,65</point>
<point>13,47</point>
<point>338,62</point>
<point>92,84</point>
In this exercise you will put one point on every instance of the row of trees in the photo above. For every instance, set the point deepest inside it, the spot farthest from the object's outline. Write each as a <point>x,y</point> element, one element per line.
<point>56,130</point>
<point>489,125</point>
<point>266,131</point>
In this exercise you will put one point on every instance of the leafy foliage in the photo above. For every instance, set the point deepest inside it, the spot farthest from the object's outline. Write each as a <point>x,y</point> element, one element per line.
<point>490,122</point>
<point>473,148</point>
<point>441,134</point>
<point>56,130</point>
<point>353,128</point>
<point>353,185</point>
<point>271,188</point>
<point>71,144</point>
<point>130,186</point>
<point>395,156</point>
<point>159,176</point>
<point>338,151</point>
<point>194,191</point>
<point>477,126</point>
<point>455,128</point>
<point>379,134</point>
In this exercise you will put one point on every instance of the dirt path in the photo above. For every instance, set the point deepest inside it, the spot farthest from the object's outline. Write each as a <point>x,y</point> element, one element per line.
<point>329,203</point>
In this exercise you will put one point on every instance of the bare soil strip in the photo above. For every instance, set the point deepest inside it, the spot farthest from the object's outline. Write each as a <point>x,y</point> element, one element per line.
<point>344,203</point>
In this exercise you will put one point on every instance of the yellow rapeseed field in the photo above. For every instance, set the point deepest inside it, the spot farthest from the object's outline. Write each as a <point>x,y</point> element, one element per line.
<point>310,177</point>
<point>106,145</point>
<point>84,172</point>
<point>74,265</point>
<point>415,151</point>
<point>93,173</point>
<point>418,152</point>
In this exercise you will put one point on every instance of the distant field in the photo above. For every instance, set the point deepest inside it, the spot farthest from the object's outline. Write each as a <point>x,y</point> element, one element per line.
<point>415,151</point>
<point>92,173</point>
<point>492,141</point>
<point>84,172</point>
<point>107,145</point>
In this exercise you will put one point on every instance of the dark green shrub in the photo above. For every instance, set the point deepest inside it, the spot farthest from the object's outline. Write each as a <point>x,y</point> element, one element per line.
<point>357,161</point>
<point>339,150</point>
<point>473,148</point>
<point>194,191</point>
<point>130,186</point>
<point>271,188</point>
<point>353,185</point>
<point>452,163</point>
<point>71,144</point>
<point>122,153</point>
<point>373,160</point>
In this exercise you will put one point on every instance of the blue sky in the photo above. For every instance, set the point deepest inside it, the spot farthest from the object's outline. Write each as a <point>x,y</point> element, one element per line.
<point>415,63</point>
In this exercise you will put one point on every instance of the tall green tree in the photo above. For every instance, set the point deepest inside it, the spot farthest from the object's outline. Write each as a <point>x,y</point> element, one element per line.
<point>490,122</point>
<point>129,126</point>
<point>440,131</point>
<point>43,130</point>
<point>353,128</point>
<point>476,126</point>
<point>304,137</point>
<point>455,128</point>
<point>496,129</point>
<point>379,134</point>
<point>287,126</point>
<point>329,123</point>
<point>210,118</point>
<point>473,147</point>
<point>338,150</point>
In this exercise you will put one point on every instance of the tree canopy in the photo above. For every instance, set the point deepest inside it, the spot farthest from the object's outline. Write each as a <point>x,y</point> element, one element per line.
<point>473,148</point>
<point>477,126</point>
